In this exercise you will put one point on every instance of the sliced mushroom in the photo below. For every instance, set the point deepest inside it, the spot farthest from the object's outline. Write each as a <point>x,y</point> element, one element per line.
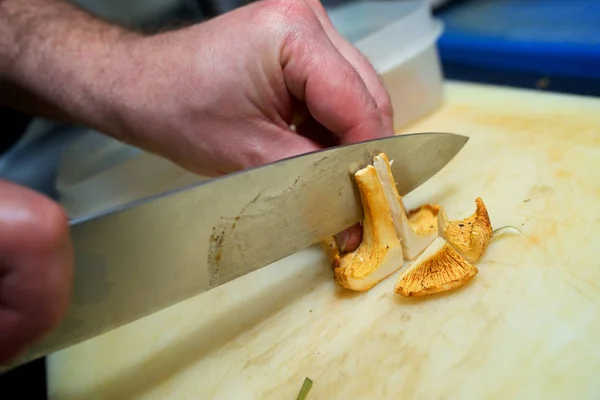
<point>414,239</point>
<point>439,268</point>
<point>380,252</point>
<point>424,218</point>
<point>469,236</point>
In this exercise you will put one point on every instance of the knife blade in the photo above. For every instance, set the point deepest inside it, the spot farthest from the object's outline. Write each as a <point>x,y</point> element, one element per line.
<point>141,257</point>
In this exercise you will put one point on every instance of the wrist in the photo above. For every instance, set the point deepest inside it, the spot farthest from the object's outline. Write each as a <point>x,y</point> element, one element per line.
<point>69,61</point>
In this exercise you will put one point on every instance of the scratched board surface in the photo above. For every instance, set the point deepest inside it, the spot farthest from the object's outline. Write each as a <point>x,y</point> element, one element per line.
<point>527,326</point>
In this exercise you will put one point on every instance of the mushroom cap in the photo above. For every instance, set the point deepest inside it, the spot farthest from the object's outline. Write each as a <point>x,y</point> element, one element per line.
<point>469,236</point>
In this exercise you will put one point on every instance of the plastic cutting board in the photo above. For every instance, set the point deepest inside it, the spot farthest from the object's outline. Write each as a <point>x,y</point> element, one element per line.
<point>526,327</point>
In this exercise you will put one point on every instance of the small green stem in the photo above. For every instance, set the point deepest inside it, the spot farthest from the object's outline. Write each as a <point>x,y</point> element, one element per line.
<point>304,389</point>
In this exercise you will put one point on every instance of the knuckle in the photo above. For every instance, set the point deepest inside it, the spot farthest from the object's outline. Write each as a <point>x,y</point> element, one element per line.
<point>286,15</point>
<point>292,10</point>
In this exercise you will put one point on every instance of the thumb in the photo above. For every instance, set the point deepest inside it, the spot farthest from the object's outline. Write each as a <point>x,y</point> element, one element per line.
<point>336,96</point>
<point>35,268</point>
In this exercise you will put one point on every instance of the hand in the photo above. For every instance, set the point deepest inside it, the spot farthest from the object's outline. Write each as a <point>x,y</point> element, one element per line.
<point>215,98</point>
<point>220,96</point>
<point>36,267</point>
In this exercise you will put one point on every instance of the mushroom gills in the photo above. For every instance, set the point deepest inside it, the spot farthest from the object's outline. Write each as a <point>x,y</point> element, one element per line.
<point>437,269</point>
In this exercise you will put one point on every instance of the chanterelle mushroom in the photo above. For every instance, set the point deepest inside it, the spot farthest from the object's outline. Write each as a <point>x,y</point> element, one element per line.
<point>423,219</point>
<point>380,252</point>
<point>414,238</point>
<point>469,236</point>
<point>439,268</point>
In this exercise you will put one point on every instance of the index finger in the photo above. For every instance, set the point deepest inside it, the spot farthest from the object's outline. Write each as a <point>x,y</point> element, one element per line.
<point>335,94</point>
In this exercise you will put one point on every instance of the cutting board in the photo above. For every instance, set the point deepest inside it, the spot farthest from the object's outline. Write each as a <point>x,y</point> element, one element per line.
<point>527,326</point>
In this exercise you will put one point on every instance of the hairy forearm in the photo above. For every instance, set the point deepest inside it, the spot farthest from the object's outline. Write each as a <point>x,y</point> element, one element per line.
<point>59,61</point>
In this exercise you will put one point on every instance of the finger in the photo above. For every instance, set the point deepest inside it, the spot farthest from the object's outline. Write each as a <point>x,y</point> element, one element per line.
<point>361,64</point>
<point>273,144</point>
<point>305,125</point>
<point>334,93</point>
<point>348,240</point>
<point>35,270</point>
<point>313,130</point>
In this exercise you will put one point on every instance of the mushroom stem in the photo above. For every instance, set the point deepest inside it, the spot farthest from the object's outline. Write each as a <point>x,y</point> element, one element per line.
<point>380,252</point>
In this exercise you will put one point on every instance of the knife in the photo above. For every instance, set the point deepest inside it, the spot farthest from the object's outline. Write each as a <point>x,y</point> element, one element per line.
<point>141,257</point>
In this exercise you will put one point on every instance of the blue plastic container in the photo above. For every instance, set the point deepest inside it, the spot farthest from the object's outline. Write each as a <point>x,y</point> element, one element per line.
<point>511,41</point>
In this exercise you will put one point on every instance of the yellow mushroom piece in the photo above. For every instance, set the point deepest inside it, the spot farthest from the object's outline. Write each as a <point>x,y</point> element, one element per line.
<point>380,252</point>
<point>413,237</point>
<point>469,236</point>
<point>423,219</point>
<point>438,269</point>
